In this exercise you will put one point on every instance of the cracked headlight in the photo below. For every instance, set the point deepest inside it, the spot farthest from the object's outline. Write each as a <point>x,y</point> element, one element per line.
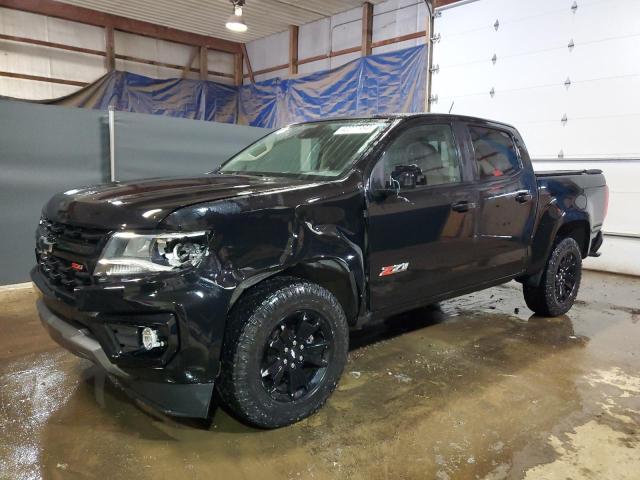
<point>129,253</point>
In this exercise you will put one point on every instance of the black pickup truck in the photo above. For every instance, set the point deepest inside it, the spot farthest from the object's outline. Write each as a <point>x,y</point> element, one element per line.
<point>245,282</point>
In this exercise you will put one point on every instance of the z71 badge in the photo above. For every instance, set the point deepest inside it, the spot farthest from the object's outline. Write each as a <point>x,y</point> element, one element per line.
<point>391,269</point>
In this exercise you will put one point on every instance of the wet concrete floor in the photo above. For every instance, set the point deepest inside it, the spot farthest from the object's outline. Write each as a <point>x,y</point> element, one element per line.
<point>475,388</point>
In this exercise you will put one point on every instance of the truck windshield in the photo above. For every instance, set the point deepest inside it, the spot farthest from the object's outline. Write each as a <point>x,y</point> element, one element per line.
<point>318,149</point>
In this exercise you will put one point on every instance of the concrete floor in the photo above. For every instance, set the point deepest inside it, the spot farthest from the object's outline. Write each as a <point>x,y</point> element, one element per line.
<point>475,388</point>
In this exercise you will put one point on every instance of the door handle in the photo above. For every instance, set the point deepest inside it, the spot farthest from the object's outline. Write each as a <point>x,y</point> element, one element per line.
<point>463,206</point>
<point>523,196</point>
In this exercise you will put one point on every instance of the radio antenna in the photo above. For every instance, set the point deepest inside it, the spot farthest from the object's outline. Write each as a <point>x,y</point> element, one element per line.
<point>451,107</point>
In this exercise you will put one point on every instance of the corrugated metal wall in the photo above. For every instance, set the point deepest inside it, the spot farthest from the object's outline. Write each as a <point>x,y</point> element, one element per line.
<point>38,160</point>
<point>567,75</point>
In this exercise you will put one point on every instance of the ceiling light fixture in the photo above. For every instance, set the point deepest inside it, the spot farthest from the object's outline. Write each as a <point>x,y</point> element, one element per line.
<point>235,23</point>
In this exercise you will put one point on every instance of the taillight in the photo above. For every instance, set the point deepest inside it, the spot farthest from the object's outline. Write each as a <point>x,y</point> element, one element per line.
<point>606,201</point>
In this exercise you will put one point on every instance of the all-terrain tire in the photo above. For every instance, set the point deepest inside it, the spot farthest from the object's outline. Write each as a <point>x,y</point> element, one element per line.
<point>259,315</point>
<point>560,281</point>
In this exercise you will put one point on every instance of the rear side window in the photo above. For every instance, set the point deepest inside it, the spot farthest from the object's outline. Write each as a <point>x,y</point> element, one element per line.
<point>495,152</point>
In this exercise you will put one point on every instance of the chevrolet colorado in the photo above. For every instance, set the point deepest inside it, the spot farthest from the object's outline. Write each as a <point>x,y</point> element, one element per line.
<point>244,282</point>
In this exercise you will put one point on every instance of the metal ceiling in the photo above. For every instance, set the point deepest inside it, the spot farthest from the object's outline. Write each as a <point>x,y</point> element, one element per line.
<point>207,17</point>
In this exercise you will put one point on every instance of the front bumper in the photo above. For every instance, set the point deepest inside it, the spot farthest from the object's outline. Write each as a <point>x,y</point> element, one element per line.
<point>187,400</point>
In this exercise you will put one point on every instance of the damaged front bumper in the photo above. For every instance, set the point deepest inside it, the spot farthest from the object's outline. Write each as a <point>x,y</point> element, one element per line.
<point>103,323</point>
<point>187,400</point>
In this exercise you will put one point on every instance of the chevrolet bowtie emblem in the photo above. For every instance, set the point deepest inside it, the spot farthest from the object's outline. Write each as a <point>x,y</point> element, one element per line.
<point>45,245</point>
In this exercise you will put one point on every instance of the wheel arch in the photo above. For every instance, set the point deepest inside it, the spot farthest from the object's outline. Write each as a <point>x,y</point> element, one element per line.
<point>330,273</point>
<point>553,226</point>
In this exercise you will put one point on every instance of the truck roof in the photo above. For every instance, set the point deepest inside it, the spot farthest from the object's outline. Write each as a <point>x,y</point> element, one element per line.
<point>394,116</point>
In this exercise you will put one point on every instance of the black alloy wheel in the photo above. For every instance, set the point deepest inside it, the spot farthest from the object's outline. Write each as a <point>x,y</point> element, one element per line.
<point>284,350</point>
<point>560,280</point>
<point>566,276</point>
<point>296,356</point>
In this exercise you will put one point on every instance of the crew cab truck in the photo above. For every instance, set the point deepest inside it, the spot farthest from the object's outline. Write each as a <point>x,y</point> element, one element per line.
<point>245,282</point>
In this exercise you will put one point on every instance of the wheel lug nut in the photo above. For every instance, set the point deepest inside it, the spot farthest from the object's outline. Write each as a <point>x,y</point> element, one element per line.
<point>300,357</point>
<point>285,361</point>
<point>294,342</point>
<point>286,349</point>
<point>293,365</point>
<point>301,347</point>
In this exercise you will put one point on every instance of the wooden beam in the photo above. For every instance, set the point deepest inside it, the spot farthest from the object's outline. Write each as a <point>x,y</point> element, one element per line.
<point>42,43</point>
<point>51,8</point>
<point>401,38</point>
<point>428,34</point>
<point>270,69</point>
<point>294,31</point>
<point>367,29</point>
<point>238,69</point>
<point>324,56</point>
<point>204,63</point>
<point>187,68</point>
<point>110,58</point>
<point>247,62</point>
<point>173,66</point>
<point>442,3</point>
<point>37,78</point>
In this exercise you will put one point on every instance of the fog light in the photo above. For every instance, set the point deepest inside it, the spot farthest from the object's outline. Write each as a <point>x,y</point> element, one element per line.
<point>150,339</point>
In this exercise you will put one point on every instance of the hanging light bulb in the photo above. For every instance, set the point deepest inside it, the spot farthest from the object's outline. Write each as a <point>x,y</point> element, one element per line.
<point>236,23</point>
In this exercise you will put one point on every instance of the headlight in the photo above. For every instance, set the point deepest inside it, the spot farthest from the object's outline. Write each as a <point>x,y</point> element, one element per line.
<point>128,253</point>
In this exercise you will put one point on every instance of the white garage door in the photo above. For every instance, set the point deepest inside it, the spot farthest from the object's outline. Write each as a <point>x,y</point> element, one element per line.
<point>567,74</point>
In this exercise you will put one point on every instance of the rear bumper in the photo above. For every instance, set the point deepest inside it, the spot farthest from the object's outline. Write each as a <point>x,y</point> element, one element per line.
<point>596,243</point>
<point>185,400</point>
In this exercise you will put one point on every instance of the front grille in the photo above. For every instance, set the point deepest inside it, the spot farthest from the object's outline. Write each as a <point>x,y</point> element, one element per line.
<point>81,241</point>
<point>70,255</point>
<point>60,272</point>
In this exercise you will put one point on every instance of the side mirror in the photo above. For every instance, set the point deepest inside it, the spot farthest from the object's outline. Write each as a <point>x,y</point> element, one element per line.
<point>403,177</point>
<point>408,176</point>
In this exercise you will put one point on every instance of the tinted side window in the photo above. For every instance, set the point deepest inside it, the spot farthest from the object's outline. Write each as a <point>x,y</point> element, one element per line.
<point>427,150</point>
<point>495,152</point>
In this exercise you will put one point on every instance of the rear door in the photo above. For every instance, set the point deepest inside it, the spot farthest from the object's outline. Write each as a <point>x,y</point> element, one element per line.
<point>421,238</point>
<point>507,198</point>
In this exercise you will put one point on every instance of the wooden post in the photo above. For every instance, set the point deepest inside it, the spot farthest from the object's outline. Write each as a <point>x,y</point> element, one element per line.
<point>238,68</point>
<point>247,61</point>
<point>293,49</point>
<point>367,29</point>
<point>429,34</point>
<point>187,68</point>
<point>204,63</point>
<point>110,51</point>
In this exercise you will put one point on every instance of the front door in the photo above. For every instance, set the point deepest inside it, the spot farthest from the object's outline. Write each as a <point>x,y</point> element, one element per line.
<point>421,229</point>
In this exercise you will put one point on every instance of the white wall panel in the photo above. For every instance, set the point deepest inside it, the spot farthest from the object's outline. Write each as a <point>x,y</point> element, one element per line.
<point>314,38</point>
<point>316,66</point>
<point>391,19</point>
<point>533,61</point>
<point>395,18</point>
<point>57,63</point>
<point>278,73</point>
<point>346,29</point>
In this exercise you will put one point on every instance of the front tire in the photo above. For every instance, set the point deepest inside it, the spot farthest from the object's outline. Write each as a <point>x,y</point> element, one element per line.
<point>284,352</point>
<point>560,281</point>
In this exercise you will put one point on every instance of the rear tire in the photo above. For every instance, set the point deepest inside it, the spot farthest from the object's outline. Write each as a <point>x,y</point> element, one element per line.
<point>560,281</point>
<point>284,352</point>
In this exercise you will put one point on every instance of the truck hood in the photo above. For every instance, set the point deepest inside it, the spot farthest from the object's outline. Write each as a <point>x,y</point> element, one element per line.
<point>143,204</point>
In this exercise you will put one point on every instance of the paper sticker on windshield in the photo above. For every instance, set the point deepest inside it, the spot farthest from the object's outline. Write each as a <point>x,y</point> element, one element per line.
<point>355,129</point>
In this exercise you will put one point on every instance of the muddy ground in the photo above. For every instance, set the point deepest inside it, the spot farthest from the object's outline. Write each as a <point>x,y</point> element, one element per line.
<point>475,388</point>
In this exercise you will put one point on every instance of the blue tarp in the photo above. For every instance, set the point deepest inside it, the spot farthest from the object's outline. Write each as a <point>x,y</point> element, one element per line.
<point>386,83</point>
<point>176,97</point>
